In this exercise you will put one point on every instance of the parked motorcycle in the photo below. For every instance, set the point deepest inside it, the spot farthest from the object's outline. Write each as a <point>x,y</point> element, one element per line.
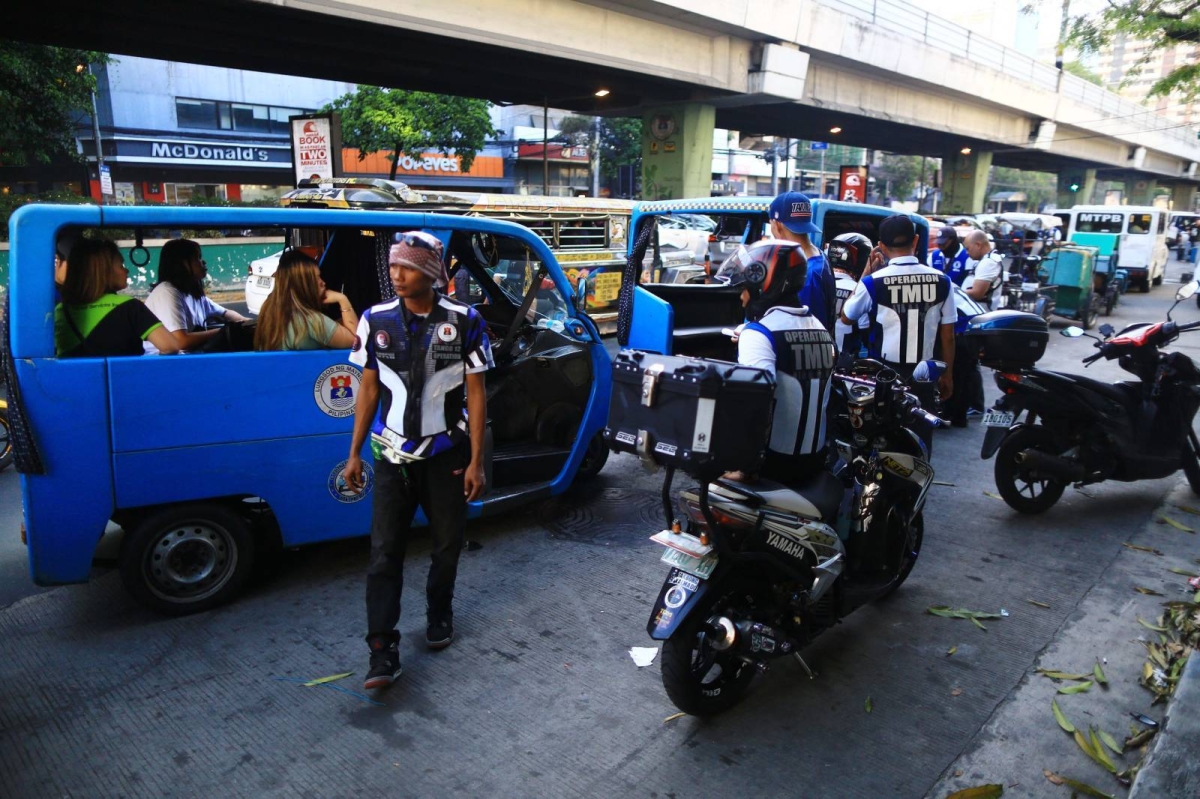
<point>1083,431</point>
<point>759,569</point>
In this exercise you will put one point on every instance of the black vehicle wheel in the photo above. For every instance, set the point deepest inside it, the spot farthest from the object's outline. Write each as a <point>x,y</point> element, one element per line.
<point>1087,311</point>
<point>912,548</point>
<point>187,558</point>
<point>6,447</point>
<point>1191,465</point>
<point>594,458</point>
<point>698,679</point>
<point>1110,301</point>
<point>1144,285</point>
<point>1023,488</point>
<point>1158,281</point>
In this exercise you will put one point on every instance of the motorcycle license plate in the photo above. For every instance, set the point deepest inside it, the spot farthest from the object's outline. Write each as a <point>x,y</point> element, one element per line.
<point>700,567</point>
<point>265,282</point>
<point>995,418</point>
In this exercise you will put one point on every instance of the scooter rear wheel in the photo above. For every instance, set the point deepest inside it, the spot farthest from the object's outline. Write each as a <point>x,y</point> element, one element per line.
<point>1191,465</point>
<point>1023,488</point>
<point>699,680</point>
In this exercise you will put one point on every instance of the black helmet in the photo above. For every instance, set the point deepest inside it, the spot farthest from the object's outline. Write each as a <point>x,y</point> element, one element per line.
<point>849,252</point>
<point>773,271</point>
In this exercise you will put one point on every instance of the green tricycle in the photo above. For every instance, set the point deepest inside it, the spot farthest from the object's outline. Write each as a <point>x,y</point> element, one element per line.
<point>1081,292</point>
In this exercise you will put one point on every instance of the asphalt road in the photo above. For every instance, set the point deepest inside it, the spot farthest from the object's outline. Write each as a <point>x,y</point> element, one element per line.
<point>539,696</point>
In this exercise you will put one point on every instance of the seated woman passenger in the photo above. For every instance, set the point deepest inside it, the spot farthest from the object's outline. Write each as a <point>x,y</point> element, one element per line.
<point>178,298</point>
<point>291,318</point>
<point>93,321</point>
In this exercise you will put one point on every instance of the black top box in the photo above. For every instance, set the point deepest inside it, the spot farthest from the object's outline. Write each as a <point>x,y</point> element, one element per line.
<point>702,416</point>
<point>1008,339</point>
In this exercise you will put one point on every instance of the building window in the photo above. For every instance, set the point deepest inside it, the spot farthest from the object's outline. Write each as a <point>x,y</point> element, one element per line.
<point>182,193</point>
<point>197,114</point>
<point>246,117</point>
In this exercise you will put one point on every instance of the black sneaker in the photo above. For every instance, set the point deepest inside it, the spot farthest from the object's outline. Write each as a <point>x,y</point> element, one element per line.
<point>439,634</point>
<point>385,664</point>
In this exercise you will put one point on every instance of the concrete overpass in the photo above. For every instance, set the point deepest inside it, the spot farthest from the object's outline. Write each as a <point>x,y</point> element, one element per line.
<point>890,77</point>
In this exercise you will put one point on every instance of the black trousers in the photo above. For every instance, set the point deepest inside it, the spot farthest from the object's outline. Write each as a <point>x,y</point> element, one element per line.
<point>968,383</point>
<point>436,485</point>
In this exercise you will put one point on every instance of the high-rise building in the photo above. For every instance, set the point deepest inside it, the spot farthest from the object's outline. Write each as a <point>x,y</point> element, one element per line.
<point>1115,63</point>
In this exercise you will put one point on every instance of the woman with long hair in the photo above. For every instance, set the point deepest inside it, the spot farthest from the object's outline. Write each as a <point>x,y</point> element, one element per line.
<point>291,318</point>
<point>178,298</point>
<point>93,321</point>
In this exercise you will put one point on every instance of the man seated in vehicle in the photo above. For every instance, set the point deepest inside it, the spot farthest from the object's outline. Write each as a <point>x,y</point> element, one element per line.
<point>782,337</point>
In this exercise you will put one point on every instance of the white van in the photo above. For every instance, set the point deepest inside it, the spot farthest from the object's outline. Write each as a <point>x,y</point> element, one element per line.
<point>1136,233</point>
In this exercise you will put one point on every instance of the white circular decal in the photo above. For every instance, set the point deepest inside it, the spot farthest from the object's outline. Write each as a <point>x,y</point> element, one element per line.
<point>675,597</point>
<point>447,332</point>
<point>340,490</point>
<point>335,390</point>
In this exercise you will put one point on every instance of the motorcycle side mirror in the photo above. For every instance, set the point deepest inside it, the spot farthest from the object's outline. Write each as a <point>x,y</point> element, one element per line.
<point>1107,330</point>
<point>1187,290</point>
<point>1071,332</point>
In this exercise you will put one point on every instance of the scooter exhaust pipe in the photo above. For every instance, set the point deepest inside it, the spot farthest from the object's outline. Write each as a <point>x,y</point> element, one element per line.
<point>1052,465</point>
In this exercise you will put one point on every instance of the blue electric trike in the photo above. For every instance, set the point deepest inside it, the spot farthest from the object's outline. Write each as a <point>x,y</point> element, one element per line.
<point>207,461</point>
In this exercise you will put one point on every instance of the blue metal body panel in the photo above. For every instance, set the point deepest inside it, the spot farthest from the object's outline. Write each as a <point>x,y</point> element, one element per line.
<point>131,432</point>
<point>653,321</point>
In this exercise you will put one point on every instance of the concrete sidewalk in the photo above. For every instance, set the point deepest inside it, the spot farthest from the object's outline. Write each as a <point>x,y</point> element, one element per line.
<point>1022,738</point>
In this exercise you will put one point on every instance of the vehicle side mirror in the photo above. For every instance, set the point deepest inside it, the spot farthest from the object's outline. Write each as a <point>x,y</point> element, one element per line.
<point>1072,331</point>
<point>1107,330</point>
<point>1187,290</point>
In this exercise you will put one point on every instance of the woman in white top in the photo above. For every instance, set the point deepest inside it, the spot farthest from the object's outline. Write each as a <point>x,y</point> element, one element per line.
<point>178,298</point>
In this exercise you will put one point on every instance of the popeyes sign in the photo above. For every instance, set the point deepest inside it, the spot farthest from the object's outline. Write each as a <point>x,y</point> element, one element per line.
<point>316,147</point>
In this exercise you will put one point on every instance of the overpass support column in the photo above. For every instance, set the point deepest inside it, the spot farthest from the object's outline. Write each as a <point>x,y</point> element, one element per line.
<point>966,179</point>
<point>677,151</point>
<point>1183,197</point>
<point>1075,187</point>
<point>1139,190</point>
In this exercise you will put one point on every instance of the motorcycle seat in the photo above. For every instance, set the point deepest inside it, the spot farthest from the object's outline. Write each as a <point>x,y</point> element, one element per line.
<point>816,498</point>
<point>1124,392</point>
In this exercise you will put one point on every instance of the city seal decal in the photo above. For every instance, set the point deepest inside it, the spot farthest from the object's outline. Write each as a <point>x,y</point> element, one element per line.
<point>447,332</point>
<point>340,490</point>
<point>335,390</point>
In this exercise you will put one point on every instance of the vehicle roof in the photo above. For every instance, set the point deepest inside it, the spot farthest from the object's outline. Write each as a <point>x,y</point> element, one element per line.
<point>700,205</point>
<point>393,193</point>
<point>1141,209</point>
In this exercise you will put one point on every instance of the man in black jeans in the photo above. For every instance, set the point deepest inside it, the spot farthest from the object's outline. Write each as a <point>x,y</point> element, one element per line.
<point>420,354</point>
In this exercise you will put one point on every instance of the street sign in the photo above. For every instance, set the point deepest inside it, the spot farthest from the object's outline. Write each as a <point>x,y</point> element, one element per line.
<point>819,145</point>
<point>106,186</point>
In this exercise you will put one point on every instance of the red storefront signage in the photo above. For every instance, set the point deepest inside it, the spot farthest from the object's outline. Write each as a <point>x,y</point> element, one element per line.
<point>556,152</point>
<point>853,186</point>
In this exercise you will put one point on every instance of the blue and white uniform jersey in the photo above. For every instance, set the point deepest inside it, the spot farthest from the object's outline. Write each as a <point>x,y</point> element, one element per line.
<point>967,309</point>
<point>798,350</point>
<point>954,268</point>
<point>422,363</point>
<point>907,302</point>
<point>845,286</point>
<point>819,294</point>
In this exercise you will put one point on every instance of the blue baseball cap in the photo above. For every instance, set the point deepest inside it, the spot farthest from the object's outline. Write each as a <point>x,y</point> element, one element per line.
<point>793,210</point>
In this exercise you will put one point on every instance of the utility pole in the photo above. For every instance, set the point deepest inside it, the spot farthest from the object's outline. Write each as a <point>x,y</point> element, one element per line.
<point>595,156</point>
<point>921,187</point>
<point>821,187</point>
<point>545,146</point>
<point>96,136</point>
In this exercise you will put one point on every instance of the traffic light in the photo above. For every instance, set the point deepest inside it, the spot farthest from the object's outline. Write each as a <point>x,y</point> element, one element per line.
<point>1074,186</point>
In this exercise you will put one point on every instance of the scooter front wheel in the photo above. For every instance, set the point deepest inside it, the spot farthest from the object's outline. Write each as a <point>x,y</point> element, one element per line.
<point>1191,464</point>
<point>1023,487</point>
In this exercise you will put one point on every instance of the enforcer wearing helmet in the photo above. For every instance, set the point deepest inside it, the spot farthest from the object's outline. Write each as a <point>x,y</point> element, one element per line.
<point>849,252</point>
<point>772,271</point>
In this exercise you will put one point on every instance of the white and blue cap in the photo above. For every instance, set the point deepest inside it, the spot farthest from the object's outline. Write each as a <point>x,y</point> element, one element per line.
<point>793,210</point>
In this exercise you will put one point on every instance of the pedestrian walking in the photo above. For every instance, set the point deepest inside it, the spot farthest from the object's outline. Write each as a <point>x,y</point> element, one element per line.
<point>791,220</point>
<point>422,354</point>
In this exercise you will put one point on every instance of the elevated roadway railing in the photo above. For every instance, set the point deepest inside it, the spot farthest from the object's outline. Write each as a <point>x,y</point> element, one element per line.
<point>905,20</point>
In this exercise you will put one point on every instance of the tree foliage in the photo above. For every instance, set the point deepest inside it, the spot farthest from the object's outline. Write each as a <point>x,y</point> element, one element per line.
<point>1161,24</point>
<point>1041,188</point>
<point>620,140</point>
<point>1077,69</point>
<point>43,92</point>
<point>399,122</point>
<point>902,172</point>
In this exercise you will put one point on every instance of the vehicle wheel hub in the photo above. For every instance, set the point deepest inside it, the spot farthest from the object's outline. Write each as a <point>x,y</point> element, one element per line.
<point>190,562</point>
